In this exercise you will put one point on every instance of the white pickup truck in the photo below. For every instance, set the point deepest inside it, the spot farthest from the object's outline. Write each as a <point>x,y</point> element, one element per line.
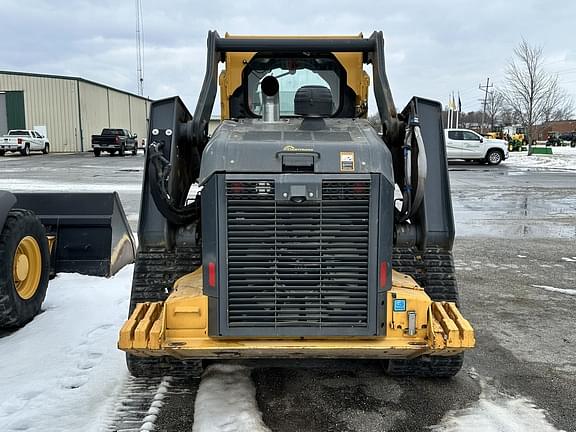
<point>469,145</point>
<point>23,141</point>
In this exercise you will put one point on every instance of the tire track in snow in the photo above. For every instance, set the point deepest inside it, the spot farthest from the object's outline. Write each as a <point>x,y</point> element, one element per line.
<point>138,405</point>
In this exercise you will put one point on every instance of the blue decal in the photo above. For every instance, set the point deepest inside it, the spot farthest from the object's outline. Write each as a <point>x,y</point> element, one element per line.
<point>399,305</point>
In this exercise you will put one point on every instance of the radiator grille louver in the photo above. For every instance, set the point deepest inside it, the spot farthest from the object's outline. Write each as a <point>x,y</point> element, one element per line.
<point>298,265</point>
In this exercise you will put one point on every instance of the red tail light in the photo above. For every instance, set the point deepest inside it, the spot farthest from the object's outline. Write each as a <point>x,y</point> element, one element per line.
<point>237,188</point>
<point>19,140</point>
<point>211,275</point>
<point>383,274</point>
<point>360,188</point>
<point>117,139</point>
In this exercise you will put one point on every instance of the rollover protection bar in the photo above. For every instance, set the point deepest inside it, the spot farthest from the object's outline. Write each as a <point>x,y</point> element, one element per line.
<point>178,327</point>
<point>294,45</point>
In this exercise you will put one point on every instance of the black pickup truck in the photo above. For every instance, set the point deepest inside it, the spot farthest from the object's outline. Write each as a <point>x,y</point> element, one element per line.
<point>115,140</point>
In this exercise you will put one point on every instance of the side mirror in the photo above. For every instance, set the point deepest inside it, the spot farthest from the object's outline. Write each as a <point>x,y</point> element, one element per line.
<point>481,139</point>
<point>135,136</point>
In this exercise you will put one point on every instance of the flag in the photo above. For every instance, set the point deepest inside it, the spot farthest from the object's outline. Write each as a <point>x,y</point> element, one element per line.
<point>459,103</point>
<point>451,103</point>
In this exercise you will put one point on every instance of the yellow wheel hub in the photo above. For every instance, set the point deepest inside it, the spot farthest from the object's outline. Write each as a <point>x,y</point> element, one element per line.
<point>27,267</point>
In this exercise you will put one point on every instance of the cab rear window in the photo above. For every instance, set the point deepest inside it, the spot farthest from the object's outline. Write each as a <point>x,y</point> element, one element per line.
<point>19,133</point>
<point>292,74</point>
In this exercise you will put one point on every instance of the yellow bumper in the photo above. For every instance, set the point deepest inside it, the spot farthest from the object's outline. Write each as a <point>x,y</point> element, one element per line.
<point>179,327</point>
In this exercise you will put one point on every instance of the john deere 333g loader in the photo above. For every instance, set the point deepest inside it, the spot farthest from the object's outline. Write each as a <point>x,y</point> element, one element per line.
<point>295,230</point>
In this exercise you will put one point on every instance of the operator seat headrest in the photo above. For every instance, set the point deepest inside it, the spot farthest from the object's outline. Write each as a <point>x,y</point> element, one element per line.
<point>313,101</point>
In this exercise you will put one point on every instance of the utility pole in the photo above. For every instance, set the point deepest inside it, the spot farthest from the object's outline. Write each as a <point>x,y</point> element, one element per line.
<point>139,47</point>
<point>485,88</point>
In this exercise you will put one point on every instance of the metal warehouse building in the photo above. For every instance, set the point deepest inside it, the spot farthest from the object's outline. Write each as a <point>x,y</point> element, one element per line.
<point>68,110</point>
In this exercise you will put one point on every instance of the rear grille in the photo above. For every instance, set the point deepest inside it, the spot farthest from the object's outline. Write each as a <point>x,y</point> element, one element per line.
<point>298,265</point>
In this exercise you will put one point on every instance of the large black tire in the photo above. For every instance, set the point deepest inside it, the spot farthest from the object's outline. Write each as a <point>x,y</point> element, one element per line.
<point>2,152</point>
<point>433,270</point>
<point>15,311</point>
<point>155,272</point>
<point>494,156</point>
<point>26,150</point>
<point>46,148</point>
<point>122,151</point>
<point>135,150</point>
<point>97,152</point>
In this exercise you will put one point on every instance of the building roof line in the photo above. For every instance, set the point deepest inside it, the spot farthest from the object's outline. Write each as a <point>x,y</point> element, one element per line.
<point>72,78</point>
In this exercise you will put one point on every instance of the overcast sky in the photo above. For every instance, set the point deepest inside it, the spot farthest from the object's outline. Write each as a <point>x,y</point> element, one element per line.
<point>432,48</point>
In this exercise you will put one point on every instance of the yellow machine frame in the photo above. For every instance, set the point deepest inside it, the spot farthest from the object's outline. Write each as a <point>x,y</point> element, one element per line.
<point>179,327</point>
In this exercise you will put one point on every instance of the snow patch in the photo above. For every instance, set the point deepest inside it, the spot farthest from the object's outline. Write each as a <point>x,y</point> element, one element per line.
<point>573,259</point>
<point>521,256</point>
<point>62,371</point>
<point>18,185</point>
<point>495,412</point>
<point>553,289</point>
<point>226,401</point>
<point>561,157</point>
<point>503,414</point>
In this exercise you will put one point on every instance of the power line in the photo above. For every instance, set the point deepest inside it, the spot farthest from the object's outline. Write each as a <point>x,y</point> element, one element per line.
<point>485,88</point>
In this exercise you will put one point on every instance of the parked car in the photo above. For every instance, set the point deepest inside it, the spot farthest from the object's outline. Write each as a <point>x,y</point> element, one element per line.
<point>569,137</point>
<point>553,140</point>
<point>470,146</point>
<point>115,140</point>
<point>24,141</point>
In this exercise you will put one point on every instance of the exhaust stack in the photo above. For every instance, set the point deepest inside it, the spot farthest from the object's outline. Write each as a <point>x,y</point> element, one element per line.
<point>270,99</point>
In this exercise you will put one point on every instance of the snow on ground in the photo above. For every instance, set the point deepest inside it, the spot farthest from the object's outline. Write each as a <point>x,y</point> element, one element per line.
<point>496,412</point>
<point>61,372</point>
<point>38,185</point>
<point>226,401</point>
<point>553,289</point>
<point>561,157</point>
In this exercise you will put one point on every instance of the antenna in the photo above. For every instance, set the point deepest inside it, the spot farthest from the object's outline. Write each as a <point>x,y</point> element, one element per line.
<point>140,47</point>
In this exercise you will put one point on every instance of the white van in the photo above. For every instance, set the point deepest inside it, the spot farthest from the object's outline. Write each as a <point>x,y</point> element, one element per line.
<point>468,145</point>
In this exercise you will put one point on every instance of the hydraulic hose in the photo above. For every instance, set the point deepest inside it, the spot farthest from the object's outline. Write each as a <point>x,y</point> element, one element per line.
<point>422,170</point>
<point>406,188</point>
<point>159,168</point>
<point>413,194</point>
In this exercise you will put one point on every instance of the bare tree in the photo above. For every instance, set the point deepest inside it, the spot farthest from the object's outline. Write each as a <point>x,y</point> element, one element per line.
<point>559,106</point>
<point>375,121</point>
<point>508,116</point>
<point>494,107</point>
<point>530,91</point>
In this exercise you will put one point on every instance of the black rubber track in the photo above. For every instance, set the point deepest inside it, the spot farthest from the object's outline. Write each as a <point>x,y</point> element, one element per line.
<point>155,272</point>
<point>14,310</point>
<point>434,270</point>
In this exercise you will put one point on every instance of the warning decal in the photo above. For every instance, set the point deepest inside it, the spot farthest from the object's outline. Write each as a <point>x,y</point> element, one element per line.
<point>346,161</point>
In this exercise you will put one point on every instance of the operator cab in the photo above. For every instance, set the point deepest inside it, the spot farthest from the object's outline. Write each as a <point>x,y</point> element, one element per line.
<point>338,79</point>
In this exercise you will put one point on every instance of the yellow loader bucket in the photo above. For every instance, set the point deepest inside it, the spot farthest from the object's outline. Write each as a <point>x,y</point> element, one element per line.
<point>90,232</point>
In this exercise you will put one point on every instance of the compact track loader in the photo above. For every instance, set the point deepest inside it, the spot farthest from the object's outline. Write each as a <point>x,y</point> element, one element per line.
<point>42,234</point>
<point>296,230</point>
